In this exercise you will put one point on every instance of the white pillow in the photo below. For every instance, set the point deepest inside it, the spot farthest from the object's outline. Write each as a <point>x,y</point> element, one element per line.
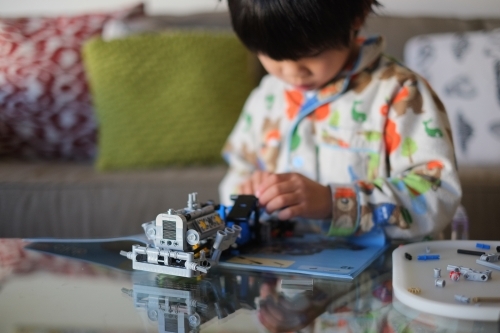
<point>464,70</point>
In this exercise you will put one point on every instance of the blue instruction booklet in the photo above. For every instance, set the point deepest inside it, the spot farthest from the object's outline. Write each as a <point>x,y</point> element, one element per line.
<point>311,254</point>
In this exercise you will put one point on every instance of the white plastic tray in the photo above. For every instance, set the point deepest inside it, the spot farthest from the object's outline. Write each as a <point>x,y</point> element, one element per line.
<point>441,301</point>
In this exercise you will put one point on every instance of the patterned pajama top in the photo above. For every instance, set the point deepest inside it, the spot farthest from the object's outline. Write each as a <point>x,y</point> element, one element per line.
<point>377,135</point>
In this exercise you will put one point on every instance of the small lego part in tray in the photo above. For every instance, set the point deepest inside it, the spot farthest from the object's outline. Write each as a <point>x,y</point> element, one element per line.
<point>455,275</point>
<point>483,246</point>
<point>468,273</point>
<point>437,272</point>
<point>485,299</point>
<point>473,253</point>
<point>491,257</point>
<point>465,299</point>
<point>414,290</point>
<point>462,299</point>
<point>408,256</point>
<point>428,257</point>
<point>440,283</point>
<point>488,264</point>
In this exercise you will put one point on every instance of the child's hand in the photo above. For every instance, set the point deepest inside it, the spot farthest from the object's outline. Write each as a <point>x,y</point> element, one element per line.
<point>251,185</point>
<point>295,195</point>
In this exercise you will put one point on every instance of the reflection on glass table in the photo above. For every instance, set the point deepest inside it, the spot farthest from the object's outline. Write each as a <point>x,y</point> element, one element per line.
<point>42,293</point>
<point>182,304</point>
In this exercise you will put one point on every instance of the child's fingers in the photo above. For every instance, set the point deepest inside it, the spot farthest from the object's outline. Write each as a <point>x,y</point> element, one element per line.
<point>270,181</point>
<point>290,212</point>
<point>246,187</point>
<point>282,201</point>
<point>273,187</point>
<point>257,179</point>
<point>249,186</point>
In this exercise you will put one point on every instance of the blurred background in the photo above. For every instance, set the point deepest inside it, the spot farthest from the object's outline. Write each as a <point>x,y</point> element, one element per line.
<point>447,8</point>
<point>113,111</point>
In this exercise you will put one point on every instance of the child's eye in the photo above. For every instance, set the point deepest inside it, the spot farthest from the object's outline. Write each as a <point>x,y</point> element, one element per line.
<point>316,54</point>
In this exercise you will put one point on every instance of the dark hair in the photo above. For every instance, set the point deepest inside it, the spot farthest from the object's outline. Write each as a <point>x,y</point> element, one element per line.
<point>292,29</point>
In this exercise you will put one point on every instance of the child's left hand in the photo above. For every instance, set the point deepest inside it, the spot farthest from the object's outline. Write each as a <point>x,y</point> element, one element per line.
<point>295,195</point>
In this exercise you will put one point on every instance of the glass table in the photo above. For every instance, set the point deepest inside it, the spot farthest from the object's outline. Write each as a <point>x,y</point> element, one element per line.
<point>43,293</point>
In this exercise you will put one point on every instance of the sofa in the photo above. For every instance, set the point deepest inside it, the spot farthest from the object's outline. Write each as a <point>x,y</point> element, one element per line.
<point>62,196</point>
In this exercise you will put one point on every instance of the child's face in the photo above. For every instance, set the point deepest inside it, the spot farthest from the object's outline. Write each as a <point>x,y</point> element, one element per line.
<point>311,72</point>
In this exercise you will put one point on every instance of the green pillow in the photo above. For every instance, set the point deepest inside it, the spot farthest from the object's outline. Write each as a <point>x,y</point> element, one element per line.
<point>166,99</point>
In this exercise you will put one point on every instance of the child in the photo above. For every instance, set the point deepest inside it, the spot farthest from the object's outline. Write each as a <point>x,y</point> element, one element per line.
<point>337,130</point>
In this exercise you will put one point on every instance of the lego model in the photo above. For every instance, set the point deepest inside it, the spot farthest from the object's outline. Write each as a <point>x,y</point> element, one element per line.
<point>256,228</point>
<point>468,273</point>
<point>185,242</point>
<point>245,214</point>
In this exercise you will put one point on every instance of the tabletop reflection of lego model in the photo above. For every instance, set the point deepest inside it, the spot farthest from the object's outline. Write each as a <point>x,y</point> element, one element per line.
<point>181,306</point>
<point>186,242</point>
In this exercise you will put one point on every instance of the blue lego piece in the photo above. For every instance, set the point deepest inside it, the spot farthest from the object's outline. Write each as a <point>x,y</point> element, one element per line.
<point>483,246</point>
<point>244,234</point>
<point>222,212</point>
<point>428,257</point>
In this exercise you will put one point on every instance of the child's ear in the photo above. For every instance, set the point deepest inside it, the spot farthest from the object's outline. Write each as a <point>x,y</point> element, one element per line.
<point>358,23</point>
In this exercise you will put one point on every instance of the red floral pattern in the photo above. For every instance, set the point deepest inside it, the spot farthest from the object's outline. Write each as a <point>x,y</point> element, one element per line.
<point>45,104</point>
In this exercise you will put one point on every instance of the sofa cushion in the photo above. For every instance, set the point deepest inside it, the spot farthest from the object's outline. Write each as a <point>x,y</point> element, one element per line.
<point>45,106</point>
<point>71,200</point>
<point>398,30</point>
<point>166,99</point>
<point>464,69</point>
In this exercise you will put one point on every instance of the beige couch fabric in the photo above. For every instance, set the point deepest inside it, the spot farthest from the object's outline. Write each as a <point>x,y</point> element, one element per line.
<point>73,200</point>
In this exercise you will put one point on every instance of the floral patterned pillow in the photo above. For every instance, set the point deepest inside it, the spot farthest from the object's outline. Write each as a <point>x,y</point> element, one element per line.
<point>45,104</point>
<point>464,70</point>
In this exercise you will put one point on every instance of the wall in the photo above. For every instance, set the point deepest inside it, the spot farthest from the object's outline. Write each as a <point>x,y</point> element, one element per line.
<point>450,8</point>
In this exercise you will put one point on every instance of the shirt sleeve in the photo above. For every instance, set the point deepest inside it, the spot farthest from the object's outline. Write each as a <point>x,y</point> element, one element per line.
<point>240,149</point>
<point>422,190</point>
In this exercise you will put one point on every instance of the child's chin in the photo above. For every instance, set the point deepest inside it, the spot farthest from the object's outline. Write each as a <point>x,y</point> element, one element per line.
<point>305,88</point>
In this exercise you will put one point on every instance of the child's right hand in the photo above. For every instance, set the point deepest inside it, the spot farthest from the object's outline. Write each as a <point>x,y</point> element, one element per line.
<point>251,185</point>
<point>292,194</point>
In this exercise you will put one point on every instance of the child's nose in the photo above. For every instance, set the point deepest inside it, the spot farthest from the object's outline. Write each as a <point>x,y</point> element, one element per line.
<point>294,69</point>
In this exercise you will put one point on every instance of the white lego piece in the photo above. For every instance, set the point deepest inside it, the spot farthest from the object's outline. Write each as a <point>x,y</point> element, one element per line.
<point>490,257</point>
<point>440,283</point>
<point>470,274</point>
<point>462,298</point>
<point>488,264</point>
